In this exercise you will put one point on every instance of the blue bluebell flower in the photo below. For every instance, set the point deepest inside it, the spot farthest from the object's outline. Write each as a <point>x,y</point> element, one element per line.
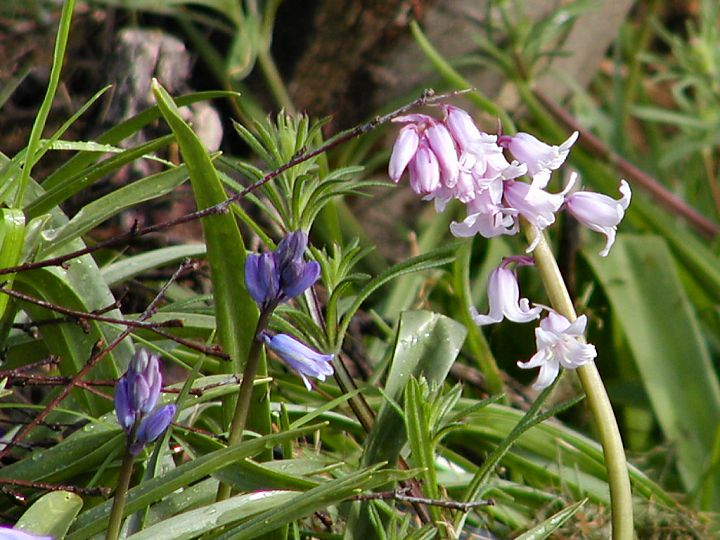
<point>152,427</point>
<point>300,357</point>
<point>136,395</point>
<point>273,278</point>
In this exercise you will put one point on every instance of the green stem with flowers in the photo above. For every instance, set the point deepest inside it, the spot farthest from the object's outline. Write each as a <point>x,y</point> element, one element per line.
<point>600,407</point>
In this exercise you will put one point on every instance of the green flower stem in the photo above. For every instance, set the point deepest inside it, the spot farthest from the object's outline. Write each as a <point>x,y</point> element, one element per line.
<point>614,452</point>
<point>245,394</point>
<point>116,513</point>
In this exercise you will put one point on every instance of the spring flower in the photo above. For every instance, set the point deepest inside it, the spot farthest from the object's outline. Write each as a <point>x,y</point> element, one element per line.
<point>300,357</point>
<point>559,343</point>
<point>152,427</point>
<point>504,296</point>
<point>8,533</point>
<point>138,390</point>
<point>600,212</point>
<point>486,216</point>
<point>537,206</point>
<point>541,159</point>
<point>272,278</point>
<point>136,395</point>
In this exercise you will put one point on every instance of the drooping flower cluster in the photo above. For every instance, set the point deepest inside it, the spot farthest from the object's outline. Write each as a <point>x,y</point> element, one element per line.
<point>136,397</point>
<point>452,159</point>
<point>273,278</point>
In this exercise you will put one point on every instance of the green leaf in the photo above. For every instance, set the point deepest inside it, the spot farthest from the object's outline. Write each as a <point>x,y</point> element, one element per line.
<point>663,334</point>
<point>551,524</point>
<point>12,236</point>
<point>208,518</point>
<point>95,520</point>
<point>100,210</point>
<point>129,267</point>
<point>236,312</point>
<point>51,515</point>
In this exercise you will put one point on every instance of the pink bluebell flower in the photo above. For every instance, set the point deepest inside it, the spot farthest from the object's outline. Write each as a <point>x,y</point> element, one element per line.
<point>541,158</point>
<point>600,212</point>
<point>504,296</point>
<point>559,343</point>
<point>537,206</point>
<point>304,360</point>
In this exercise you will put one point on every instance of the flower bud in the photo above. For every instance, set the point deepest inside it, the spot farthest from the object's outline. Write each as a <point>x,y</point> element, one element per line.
<point>300,357</point>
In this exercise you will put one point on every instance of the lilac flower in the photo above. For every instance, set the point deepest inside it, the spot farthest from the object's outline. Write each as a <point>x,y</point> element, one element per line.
<point>424,170</point>
<point>136,395</point>
<point>541,159</point>
<point>300,357</point>
<point>272,278</point>
<point>486,216</point>
<point>504,296</point>
<point>138,390</point>
<point>559,343</point>
<point>600,212</point>
<point>8,533</point>
<point>152,427</point>
<point>404,150</point>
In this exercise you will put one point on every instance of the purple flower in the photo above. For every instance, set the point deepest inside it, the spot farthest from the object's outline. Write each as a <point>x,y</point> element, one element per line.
<point>152,427</point>
<point>403,151</point>
<point>300,357</point>
<point>600,212</point>
<point>138,389</point>
<point>504,296</point>
<point>272,278</point>
<point>486,216</point>
<point>8,533</point>
<point>541,159</point>
<point>136,395</point>
<point>559,343</point>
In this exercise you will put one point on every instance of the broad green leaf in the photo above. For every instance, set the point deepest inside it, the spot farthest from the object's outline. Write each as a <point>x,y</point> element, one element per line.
<point>12,236</point>
<point>95,520</point>
<point>318,498</point>
<point>208,518</point>
<point>426,345</point>
<point>663,334</point>
<point>51,515</point>
<point>235,311</point>
<point>551,524</point>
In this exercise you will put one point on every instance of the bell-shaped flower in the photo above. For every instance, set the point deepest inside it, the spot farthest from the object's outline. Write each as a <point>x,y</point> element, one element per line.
<point>504,296</point>
<point>152,427</point>
<point>9,533</point>
<point>300,357</point>
<point>541,158</point>
<point>559,343</point>
<point>137,391</point>
<point>462,128</point>
<point>272,278</point>
<point>537,206</point>
<point>424,170</point>
<point>403,151</point>
<point>486,216</point>
<point>261,277</point>
<point>600,212</point>
<point>442,145</point>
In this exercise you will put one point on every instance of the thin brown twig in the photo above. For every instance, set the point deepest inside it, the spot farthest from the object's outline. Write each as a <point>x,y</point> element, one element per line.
<point>155,327</point>
<point>402,496</point>
<point>99,491</point>
<point>426,98</point>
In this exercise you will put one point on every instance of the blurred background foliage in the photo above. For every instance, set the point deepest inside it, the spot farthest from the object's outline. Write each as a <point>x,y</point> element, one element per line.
<point>640,80</point>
